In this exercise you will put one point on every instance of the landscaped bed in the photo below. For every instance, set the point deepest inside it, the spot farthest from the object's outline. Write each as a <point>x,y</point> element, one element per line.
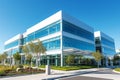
<point>68,68</point>
<point>15,71</point>
<point>117,69</point>
<point>11,71</point>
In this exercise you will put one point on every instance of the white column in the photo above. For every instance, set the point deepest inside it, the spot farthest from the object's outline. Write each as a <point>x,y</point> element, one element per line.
<point>61,59</point>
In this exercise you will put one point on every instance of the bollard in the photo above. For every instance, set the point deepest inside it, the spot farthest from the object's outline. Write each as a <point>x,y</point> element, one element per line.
<point>48,70</point>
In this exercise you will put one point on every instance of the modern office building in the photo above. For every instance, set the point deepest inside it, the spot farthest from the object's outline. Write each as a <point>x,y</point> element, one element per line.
<point>105,44</point>
<point>61,34</point>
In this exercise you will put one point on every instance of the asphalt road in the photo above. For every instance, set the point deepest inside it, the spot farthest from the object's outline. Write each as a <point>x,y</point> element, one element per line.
<point>83,78</point>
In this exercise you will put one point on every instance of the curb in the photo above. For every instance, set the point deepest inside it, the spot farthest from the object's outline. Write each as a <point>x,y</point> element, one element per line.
<point>116,71</point>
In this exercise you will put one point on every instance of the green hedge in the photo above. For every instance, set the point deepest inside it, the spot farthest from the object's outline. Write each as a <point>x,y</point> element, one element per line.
<point>68,68</point>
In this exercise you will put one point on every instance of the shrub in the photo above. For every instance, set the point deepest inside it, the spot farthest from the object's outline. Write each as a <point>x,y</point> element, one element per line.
<point>117,69</point>
<point>14,70</point>
<point>20,66</point>
<point>2,73</point>
<point>68,68</point>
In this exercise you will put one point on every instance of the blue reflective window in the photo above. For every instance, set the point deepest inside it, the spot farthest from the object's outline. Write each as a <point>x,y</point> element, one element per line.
<point>73,29</point>
<point>40,33</point>
<point>107,42</point>
<point>70,42</point>
<point>12,44</point>
<point>12,51</point>
<point>53,43</point>
<point>15,50</point>
<point>50,29</point>
<point>30,37</point>
<point>108,51</point>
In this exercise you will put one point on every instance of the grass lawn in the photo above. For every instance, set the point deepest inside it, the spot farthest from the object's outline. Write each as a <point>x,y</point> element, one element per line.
<point>117,69</point>
<point>68,68</point>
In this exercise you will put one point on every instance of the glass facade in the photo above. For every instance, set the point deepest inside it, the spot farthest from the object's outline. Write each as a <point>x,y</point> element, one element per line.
<point>107,42</point>
<point>73,29</point>
<point>47,30</point>
<point>105,46</point>
<point>51,60</point>
<point>52,44</point>
<point>13,51</point>
<point>13,44</point>
<point>80,32</point>
<point>74,43</point>
<point>107,51</point>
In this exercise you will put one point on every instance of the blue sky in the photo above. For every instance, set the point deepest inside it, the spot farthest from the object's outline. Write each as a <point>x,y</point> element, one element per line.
<point>18,15</point>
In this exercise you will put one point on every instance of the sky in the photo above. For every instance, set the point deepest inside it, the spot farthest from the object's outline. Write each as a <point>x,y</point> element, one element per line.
<point>18,15</point>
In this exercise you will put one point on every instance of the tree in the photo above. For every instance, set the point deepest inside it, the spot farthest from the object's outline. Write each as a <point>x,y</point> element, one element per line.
<point>25,49</point>
<point>80,58</point>
<point>97,56</point>
<point>3,57</point>
<point>70,59</point>
<point>17,57</point>
<point>26,52</point>
<point>117,58</point>
<point>29,58</point>
<point>36,48</point>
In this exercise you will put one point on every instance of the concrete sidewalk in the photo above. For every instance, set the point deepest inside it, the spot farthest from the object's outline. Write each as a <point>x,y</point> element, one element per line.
<point>54,74</point>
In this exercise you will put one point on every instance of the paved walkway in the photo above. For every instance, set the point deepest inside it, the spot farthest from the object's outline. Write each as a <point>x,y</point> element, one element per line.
<point>63,74</point>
